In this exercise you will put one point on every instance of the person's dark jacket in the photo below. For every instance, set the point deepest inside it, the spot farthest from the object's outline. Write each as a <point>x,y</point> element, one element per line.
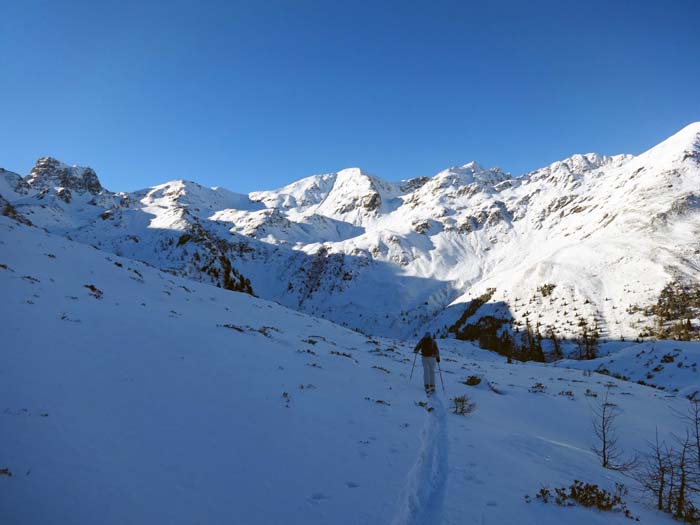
<point>428,348</point>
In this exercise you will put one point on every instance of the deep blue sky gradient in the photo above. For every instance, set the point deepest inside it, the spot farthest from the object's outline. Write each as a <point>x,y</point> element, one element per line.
<point>252,95</point>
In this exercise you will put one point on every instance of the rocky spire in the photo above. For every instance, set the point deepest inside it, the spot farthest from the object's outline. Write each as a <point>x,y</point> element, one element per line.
<point>49,172</point>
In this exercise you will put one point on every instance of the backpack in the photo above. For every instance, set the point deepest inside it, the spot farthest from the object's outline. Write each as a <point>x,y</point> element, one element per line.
<point>427,347</point>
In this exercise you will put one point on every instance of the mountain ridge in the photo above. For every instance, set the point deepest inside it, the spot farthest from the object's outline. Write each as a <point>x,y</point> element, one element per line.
<point>395,257</point>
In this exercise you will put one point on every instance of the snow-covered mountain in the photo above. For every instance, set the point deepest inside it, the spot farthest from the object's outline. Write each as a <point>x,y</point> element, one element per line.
<point>392,257</point>
<point>136,392</point>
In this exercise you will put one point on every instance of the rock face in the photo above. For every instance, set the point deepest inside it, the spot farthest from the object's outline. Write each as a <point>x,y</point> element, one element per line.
<point>8,210</point>
<point>48,172</point>
<point>608,232</point>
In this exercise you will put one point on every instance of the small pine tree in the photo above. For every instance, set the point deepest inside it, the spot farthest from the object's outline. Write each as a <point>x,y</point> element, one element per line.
<point>506,345</point>
<point>531,344</point>
<point>557,352</point>
<point>592,350</point>
<point>587,341</point>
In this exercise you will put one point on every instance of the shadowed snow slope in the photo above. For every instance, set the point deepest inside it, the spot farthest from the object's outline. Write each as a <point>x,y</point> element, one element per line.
<point>134,396</point>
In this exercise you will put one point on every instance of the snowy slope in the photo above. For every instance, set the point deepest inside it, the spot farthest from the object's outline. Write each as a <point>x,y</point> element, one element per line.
<point>12,186</point>
<point>135,396</point>
<point>666,365</point>
<point>391,258</point>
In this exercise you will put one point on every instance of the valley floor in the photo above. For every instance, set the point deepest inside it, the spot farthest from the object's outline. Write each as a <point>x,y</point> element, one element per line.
<point>132,396</point>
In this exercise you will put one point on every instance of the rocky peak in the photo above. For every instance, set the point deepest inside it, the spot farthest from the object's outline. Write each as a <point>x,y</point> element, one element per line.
<point>354,192</point>
<point>407,186</point>
<point>590,161</point>
<point>470,173</point>
<point>50,173</point>
<point>571,170</point>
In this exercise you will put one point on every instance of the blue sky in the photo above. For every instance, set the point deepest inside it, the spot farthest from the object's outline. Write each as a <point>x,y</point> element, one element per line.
<point>253,95</point>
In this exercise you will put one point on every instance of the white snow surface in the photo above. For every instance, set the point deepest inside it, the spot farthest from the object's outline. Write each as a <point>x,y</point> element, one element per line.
<point>667,365</point>
<point>131,395</point>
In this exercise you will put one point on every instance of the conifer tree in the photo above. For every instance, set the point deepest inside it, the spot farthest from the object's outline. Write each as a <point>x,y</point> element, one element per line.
<point>587,341</point>
<point>556,350</point>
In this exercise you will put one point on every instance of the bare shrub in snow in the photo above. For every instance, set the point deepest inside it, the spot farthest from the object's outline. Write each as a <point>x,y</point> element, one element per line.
<point>537,388</point>
<point>692,417</point>
<point>672,477</point>
<point>463,405</point>
<point>587,495</point>
<point>607,449</point>
<point>472,381</point>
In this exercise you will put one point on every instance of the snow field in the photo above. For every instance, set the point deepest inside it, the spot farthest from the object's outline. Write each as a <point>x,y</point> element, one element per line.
<point>134,396</point>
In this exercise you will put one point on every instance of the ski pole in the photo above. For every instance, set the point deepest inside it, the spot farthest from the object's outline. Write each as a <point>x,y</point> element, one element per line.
<point>441,381</point>
<point>414,365</point>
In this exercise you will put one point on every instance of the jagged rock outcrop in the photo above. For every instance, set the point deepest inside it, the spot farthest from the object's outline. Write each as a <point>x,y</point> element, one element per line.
<point>8,210</point>
<point>50,173</point>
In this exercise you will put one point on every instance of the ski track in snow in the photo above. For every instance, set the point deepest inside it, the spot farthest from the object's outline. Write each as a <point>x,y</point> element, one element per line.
<point>424,492</point>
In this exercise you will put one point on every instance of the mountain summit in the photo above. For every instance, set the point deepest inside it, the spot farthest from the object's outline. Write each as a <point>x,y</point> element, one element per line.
<point>50,173</point>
